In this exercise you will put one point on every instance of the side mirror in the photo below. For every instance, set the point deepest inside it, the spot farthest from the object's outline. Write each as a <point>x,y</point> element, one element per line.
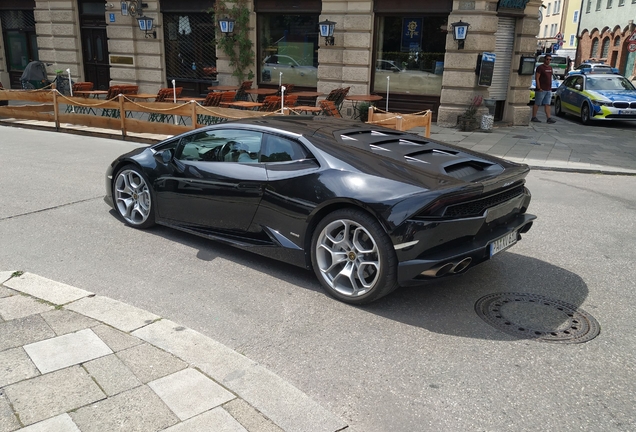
<point>578,86</point>
<point>164,156</point>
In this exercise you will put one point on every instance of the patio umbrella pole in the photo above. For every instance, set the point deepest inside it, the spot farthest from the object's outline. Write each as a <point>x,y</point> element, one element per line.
<point>388,84</point>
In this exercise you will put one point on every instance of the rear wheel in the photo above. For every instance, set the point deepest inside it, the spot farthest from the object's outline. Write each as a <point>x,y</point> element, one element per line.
<point>558,110</point>
<point>133,198</point>
<point>353,257</point>
<point>585,114</point>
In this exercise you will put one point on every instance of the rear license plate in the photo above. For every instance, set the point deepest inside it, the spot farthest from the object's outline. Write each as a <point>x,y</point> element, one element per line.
<point>627,112</point>
<point>503,243</point>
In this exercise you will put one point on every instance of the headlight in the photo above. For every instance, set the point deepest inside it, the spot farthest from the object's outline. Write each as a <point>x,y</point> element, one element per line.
<point>601,103</point>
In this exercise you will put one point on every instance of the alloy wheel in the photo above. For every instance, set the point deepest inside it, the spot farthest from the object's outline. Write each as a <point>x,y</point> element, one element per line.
<point>132,197</point>
<point>348,258</point>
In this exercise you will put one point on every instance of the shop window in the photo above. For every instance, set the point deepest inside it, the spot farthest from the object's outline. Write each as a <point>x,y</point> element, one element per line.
<point>288,49</point>
<point>409,53</point>
<point>190,46</point>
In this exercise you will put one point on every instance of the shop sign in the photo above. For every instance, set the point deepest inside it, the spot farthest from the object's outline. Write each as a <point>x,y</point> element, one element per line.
<point>411,34</point>
<point>512,4</point>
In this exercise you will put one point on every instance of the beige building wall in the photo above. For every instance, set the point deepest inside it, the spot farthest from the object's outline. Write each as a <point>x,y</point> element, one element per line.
<point>58,36</point>
<point>459,84</point>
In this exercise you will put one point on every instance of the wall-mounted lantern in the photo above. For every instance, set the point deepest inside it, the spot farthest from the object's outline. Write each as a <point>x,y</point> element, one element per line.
<point>226,25</point>
<point>146,25</point>
<point>326,30</point>
<point>460,29</point>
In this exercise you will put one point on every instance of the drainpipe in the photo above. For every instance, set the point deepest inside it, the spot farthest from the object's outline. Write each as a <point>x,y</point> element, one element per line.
<point>578,33</point>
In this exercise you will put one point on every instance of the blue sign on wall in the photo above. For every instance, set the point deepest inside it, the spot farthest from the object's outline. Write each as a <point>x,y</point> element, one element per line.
<point>111,17</point>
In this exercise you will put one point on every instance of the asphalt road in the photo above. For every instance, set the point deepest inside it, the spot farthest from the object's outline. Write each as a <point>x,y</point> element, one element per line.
<point>417,360</point>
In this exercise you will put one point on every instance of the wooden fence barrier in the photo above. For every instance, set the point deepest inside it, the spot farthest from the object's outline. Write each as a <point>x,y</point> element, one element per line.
<point>401,122</point>
<point>47,105</point>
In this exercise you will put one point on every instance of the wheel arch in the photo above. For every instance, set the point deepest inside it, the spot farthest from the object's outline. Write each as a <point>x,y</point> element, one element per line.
<point>322,212</point>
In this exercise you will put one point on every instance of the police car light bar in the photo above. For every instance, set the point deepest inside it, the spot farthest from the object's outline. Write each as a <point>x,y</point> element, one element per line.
<point>588,71</point>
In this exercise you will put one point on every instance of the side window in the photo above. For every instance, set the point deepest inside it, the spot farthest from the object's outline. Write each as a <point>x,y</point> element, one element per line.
<point>279,149</point>
<point>221,145</point>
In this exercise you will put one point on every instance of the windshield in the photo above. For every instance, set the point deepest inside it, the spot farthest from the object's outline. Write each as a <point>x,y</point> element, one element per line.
<point>609,83</point>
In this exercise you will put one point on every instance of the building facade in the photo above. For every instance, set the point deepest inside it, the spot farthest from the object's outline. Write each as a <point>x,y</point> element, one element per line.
<point>605,33</point>
<point>403,50</point>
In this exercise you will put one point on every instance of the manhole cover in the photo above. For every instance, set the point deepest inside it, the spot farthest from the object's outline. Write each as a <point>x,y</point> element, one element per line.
<point>531,316</point>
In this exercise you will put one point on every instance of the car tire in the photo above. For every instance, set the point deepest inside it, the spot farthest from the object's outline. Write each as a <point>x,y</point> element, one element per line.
<point>558,110</point>
<point>133,197</point>
<point>585,114</point>
<point>353,257</point>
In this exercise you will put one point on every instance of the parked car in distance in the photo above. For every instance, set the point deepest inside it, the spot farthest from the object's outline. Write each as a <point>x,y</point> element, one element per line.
<point>293,71</point>
<point>593,96</point>
<point>594,68</point>
<point>403,80</point>
<point>367,208</point>
<point>559,64</point>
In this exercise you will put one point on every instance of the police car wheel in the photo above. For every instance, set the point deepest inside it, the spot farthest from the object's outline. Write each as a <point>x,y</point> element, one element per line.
<point>557,108</point>
<point>585,114</point>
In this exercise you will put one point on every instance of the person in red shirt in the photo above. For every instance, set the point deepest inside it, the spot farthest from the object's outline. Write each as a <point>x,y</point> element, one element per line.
<point>543,89</point>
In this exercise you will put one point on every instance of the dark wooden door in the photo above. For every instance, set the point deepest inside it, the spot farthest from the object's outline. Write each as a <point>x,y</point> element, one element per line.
<point>95,50</point>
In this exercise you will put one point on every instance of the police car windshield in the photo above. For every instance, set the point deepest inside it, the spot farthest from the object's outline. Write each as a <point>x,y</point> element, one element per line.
<point>609,83</point>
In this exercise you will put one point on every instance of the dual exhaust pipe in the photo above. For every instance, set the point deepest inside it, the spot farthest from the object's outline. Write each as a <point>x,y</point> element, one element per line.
<point>448,268</point>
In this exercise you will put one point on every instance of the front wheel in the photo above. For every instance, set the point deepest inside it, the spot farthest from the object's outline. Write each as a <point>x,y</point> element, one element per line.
<point>353,257</point>
<point>133,198</point>
<point>558,109</point>
<point>585,114</point>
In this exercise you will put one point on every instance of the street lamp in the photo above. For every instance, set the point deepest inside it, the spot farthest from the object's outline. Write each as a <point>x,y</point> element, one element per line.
<point>326,30</point>
<point>460,29</point>
<point>146,25</point>
<point>227,26</point>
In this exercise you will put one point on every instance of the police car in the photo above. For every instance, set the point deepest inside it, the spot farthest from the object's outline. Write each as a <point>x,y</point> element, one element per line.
<point>596,96</point>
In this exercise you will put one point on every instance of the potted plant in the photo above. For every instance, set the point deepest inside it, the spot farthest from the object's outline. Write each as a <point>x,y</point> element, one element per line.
<point>468,120</point>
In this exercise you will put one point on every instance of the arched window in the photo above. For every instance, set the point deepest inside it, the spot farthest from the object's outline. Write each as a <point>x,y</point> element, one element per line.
<point>605,50</point>
<point>617,41</point>
<point>594,50</point>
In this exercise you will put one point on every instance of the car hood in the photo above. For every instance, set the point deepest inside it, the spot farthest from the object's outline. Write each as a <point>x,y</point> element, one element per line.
<point>613,95</point>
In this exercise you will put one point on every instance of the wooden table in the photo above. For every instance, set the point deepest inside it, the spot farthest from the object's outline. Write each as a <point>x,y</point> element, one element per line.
<point>357,99</point>
<point>141,96</point>
<point>223,88</point>
<point>307,108</point>
<point>306,96</point>
<point>188,99</point>
<point>261,92</point>
<point>241,104</point>
<point>89,93</point>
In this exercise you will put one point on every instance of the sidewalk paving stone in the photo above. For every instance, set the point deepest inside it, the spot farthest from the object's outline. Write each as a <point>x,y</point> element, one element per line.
<point>22,331</point>
<point>189,393</point>
<point>217,420</point>
<point>15,366</point>
<point>136,410</point>
<point>67,350</point>
<point>20,306</point>
<point>115,339</point>
<point>149,363</point>
<point>112,312</point>
<point>8,421</point>
<point>55,393</point>
<point>63,321</point>
<point>46,289</point>
<point>61,423</point>
<point>112,375</point>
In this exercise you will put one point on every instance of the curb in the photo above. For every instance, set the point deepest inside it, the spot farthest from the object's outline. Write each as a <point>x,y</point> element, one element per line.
<point>277,405</point>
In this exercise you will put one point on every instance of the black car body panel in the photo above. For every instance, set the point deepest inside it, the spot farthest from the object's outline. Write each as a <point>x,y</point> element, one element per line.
<point>438,203</point>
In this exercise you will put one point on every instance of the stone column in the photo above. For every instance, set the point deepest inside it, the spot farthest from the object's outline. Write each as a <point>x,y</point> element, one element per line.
<point>58,36</point>
<point>125,40</point>
<point>459,84</point>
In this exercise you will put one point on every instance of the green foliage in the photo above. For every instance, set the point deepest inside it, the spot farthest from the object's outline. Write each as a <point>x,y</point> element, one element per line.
<point>363,111</point>
<point>239,48</point>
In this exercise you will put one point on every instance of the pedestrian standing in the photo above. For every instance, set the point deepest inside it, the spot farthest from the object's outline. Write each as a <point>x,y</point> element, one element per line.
<point>543,89</point>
